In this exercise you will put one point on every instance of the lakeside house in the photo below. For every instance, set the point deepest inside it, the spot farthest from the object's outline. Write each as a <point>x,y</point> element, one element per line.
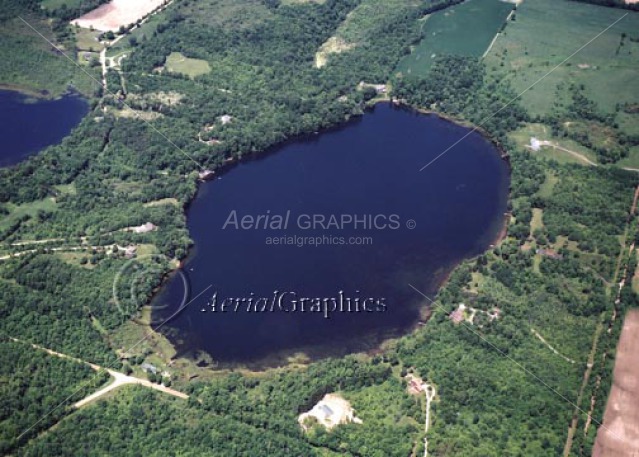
<point>205,175</point>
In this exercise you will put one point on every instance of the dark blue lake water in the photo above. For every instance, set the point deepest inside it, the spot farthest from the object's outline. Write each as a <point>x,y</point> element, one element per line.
<point>29,125</point>
<point>413,228</point>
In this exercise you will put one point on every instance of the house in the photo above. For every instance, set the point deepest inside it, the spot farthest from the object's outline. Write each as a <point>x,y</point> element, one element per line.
<point>415,386</point>
<point>148,368</point>
<point>458,316</point>
<point>325,411</point>
<point>205,175</point>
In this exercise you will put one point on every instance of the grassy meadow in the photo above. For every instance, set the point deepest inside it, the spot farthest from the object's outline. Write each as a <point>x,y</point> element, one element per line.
<point>176,62</point>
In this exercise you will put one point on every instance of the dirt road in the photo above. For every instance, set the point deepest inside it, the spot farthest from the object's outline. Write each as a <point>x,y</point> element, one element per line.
<point>120,379</point>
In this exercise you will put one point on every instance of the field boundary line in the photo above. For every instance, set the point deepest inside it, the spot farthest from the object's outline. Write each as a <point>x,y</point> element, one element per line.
<point>481,124</point>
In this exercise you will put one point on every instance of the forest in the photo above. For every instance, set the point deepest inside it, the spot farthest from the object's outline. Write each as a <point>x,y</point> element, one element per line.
<point>553,274</point>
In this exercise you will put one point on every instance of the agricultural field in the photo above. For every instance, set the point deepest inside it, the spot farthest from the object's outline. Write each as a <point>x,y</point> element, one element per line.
<point>620,434</point>
<point>535,42</point>
<point>591,96</point>
<point>117,13</point>
<point>466,29</point>
<point>176,62</point>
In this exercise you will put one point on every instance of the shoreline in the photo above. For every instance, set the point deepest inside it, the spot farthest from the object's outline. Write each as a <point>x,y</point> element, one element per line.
<point>42,95</point>
<point>302,356</point>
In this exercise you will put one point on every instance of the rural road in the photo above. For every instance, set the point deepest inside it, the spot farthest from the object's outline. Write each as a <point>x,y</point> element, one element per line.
<point>120,379</point>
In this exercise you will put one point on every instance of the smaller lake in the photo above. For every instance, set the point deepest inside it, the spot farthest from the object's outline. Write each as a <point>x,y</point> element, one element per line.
<point>28,125</point>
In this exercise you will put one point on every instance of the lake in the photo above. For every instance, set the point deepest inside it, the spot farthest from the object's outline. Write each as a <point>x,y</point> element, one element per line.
<point>376,224</point>
<point>28,125</point>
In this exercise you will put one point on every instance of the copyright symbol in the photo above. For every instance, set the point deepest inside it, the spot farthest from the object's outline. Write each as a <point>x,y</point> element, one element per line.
<point>411,224</point>
<point>137,278</point>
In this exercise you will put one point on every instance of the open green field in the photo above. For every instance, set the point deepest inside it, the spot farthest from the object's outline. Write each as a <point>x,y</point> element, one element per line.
<point>632,161</point>
<point>31,209</point>
<point>23,69</point>
<point>176,62</point>
<point>535,42</point>
<point>466,29</point>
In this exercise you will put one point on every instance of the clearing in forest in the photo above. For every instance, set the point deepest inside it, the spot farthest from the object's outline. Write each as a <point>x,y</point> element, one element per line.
<point>362,22</point>
<point>176,62</point>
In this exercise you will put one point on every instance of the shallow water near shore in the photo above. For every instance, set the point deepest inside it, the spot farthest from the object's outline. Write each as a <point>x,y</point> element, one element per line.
<point>377,223</point>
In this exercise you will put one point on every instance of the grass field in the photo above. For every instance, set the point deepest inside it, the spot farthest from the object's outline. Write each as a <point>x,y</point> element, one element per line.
<point>535,42</point>
<point>466,29</point>
<point>27,209</point>
<point>537,221</point>
<point>178,63</point>
<point>37,66</point>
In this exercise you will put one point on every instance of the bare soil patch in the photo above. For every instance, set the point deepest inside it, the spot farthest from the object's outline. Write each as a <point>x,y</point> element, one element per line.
<point>117,13</point>
<point>619,434</point>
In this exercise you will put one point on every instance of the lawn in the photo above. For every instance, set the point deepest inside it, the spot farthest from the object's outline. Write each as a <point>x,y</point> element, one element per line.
<point>537,221</point>
<point>542,132</point>
<point>87,40</point>
<point>466,29</point>
<point>177,63</point>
